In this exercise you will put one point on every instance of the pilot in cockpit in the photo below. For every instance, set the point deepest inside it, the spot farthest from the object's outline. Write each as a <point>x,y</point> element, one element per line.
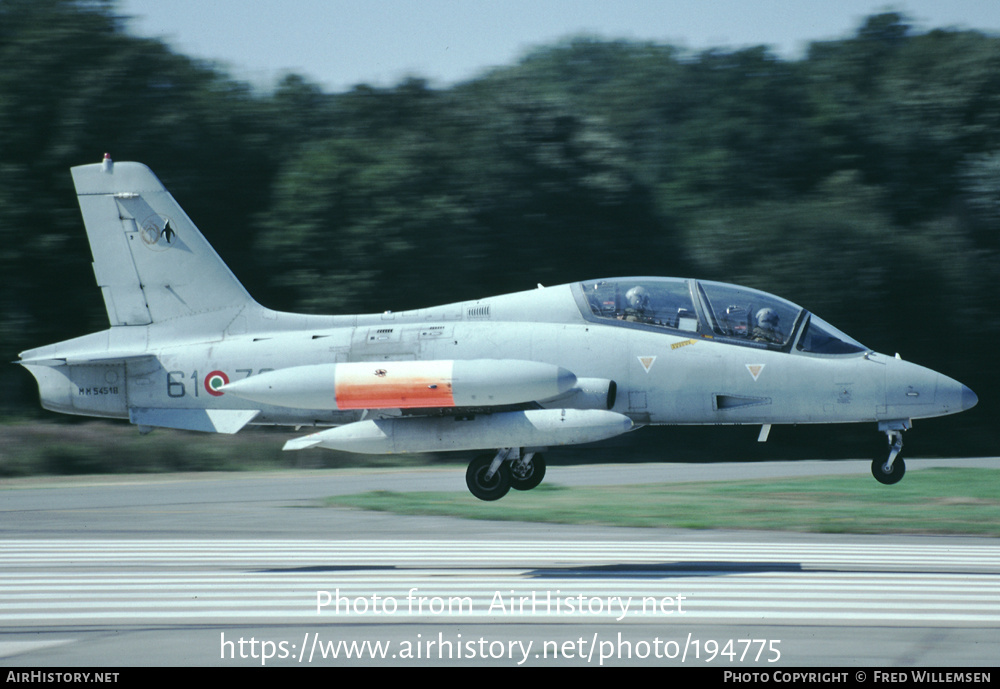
<point>638,309</point>
<point>766,327</point>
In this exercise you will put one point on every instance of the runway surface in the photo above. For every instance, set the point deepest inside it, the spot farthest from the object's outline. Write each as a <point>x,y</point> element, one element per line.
<point>242,570</point>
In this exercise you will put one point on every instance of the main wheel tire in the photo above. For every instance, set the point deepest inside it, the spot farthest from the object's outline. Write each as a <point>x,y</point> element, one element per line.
<point>530,478</point>
<point>492,489</point>
<point>893,476</point>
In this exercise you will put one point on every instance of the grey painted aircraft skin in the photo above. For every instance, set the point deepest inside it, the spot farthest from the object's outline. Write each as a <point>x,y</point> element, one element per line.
<point>189,348</point>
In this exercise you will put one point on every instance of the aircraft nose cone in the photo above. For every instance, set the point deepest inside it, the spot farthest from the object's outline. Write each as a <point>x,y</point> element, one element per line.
<point>916,392</point>
<point>969,398</point>
<point>953,396</point>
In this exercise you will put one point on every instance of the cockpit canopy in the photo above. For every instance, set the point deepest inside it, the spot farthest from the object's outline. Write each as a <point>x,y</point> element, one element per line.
<point>718,310</point>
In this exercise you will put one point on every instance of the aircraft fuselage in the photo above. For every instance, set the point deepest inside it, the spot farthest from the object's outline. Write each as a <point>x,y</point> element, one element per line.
<point>662,377</point>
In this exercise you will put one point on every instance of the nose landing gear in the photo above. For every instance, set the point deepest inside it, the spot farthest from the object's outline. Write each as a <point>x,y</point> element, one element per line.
<point>891,470</point>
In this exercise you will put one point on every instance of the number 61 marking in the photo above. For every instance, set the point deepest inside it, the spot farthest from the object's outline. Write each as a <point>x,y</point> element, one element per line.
<point>213,381</point>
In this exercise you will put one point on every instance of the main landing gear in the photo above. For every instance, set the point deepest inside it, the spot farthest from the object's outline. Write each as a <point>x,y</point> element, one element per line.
<point>891,470</point>
<point>491,477</point>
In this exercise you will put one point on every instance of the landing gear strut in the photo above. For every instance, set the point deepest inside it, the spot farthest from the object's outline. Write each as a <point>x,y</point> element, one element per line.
<point>891,470</point>
<point>491,477</point>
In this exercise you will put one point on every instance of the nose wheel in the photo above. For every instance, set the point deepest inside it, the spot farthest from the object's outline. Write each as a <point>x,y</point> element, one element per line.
<point>890,471</point>
<point>886,473</point>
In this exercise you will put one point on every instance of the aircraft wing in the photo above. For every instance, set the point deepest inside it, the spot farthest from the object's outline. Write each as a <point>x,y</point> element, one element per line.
<point>528,428</point>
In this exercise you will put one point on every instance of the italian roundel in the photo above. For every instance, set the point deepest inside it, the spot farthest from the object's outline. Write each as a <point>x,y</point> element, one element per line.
<point>214,381</point>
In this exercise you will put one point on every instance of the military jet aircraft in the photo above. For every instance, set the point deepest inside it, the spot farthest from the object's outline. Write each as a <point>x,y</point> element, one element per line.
<point>188,348</point>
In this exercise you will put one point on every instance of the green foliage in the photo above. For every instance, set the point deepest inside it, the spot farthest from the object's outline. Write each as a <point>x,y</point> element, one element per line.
<point>861,181</point>
<point>99,447</point>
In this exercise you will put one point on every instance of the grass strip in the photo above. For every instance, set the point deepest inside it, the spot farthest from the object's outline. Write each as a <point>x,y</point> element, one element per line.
<point>930,501</point>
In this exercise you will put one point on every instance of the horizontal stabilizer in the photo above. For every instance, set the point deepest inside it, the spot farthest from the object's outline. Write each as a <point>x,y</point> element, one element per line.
<point>206,420</point>
<point>84,359</point>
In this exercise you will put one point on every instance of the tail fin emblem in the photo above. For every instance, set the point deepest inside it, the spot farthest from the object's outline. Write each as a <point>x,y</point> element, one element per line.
<point>167,233</point>
<point>156,238</point>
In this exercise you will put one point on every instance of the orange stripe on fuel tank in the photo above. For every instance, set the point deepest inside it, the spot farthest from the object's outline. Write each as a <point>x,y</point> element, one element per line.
<point>394,385</point>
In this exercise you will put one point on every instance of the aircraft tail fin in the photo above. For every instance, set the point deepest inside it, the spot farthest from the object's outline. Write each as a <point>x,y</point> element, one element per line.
<point>151,262</point>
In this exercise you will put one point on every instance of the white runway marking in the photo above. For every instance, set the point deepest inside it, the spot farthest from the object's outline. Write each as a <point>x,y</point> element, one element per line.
<point>74,582</point>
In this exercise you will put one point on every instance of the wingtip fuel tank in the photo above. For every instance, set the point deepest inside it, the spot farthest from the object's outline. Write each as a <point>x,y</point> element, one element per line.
<point>406,384</point>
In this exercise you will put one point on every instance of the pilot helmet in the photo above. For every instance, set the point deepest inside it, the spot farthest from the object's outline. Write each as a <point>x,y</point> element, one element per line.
<point>767,318</point>
<point>637,297</point>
